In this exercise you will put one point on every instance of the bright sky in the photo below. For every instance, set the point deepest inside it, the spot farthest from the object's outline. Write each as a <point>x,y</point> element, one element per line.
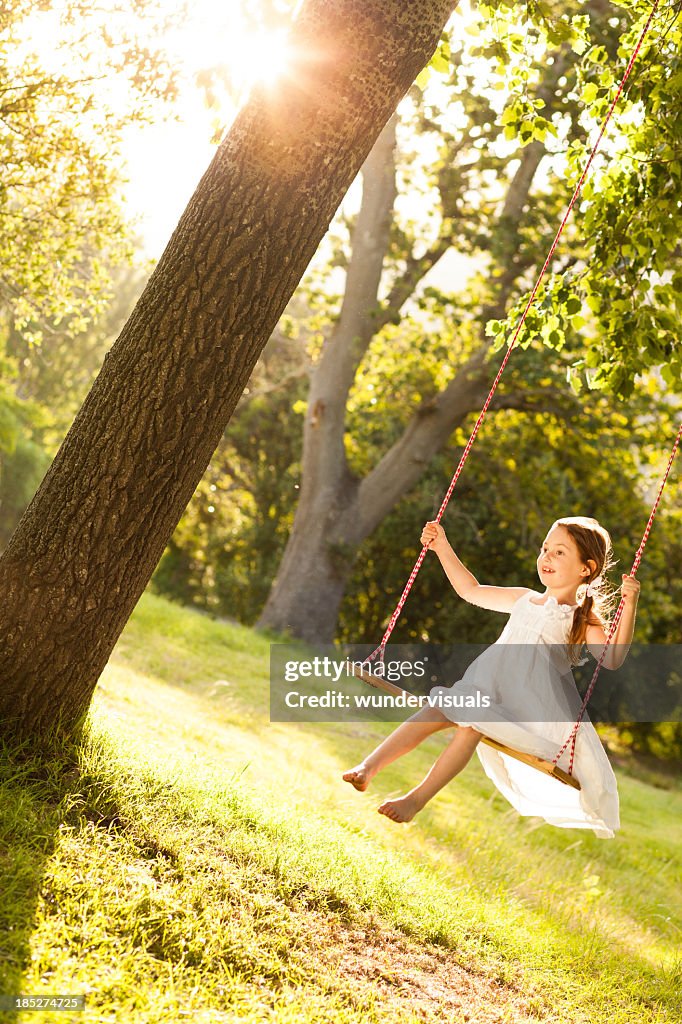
<point>165,163</point>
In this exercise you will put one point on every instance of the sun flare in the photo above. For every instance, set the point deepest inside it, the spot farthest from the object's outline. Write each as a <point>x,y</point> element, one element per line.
<point>254,57</point>
<point>247,51</point>
<point>221,50</point>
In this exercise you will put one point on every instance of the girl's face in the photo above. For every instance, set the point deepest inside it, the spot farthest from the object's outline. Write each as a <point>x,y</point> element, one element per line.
<point>559,563</point>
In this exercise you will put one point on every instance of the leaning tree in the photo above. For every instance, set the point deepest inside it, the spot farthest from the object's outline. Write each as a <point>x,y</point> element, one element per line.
<point>90,539</point>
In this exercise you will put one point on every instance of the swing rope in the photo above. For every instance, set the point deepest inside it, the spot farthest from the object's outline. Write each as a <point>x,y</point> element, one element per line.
<point>619,611</point>
<point>379,651</point>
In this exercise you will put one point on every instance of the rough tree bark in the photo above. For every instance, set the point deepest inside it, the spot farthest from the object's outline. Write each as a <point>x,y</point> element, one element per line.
<point>337,510</point>
<point>89,541</point>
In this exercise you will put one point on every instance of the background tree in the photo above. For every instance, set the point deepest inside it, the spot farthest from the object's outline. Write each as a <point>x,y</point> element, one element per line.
<point>91,537</point>
<point>630,290</point>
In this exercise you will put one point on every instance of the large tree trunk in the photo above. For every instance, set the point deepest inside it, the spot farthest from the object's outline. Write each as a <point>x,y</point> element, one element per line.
<point>89,541</point>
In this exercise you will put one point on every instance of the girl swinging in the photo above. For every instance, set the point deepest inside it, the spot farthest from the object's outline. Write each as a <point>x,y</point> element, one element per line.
<point>547,630</point>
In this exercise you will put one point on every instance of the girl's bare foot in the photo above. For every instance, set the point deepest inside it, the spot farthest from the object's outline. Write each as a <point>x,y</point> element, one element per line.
<point>359,776</point>
<point>403,809</point>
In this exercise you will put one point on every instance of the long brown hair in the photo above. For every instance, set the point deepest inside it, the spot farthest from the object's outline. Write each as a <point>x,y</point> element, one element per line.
<point>594,546</point>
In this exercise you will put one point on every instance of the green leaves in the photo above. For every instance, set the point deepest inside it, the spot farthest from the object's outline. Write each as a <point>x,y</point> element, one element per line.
<point>589,93</point>
<point>440,63</point>
<point>624,300</point>
<point>60,206</point>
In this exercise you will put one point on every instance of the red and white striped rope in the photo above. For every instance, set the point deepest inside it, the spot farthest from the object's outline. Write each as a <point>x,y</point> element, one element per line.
<point>619,611</point>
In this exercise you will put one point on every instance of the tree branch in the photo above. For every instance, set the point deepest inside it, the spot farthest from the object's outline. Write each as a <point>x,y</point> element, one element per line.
<point>324,456</point>
<point>355,328</point>
<point>426,433</point>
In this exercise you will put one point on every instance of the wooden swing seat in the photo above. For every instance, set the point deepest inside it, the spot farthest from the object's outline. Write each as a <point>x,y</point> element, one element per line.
<point>542,765</point>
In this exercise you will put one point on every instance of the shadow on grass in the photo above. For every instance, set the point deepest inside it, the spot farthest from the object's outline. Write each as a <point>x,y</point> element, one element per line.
<point>34,798</point>
<point>42,792</point>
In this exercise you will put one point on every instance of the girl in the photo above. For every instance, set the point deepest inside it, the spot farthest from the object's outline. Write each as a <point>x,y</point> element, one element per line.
<point>548,629</point>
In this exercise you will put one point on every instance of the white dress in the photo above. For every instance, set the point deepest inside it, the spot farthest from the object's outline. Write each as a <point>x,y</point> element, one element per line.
<point>526,676</point>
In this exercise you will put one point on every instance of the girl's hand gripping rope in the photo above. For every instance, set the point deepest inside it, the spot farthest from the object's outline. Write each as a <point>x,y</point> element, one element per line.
<point>433,537</point>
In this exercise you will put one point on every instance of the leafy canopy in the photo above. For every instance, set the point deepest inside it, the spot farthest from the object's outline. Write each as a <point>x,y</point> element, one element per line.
<point>72,76</point>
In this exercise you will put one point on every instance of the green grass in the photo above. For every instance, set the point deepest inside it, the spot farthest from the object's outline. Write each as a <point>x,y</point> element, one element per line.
<point>194,861</point>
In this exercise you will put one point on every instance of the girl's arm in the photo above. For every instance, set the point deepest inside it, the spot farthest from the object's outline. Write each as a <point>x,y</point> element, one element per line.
<point>622,638</point>
<point>495,599</point>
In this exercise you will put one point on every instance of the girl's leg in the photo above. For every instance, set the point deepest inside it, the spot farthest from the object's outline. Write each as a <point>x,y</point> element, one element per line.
<point>406,737</point>
<point>453,759</point>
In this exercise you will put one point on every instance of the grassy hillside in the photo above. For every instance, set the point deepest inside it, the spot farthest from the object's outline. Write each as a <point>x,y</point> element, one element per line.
<point>194,861</point>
